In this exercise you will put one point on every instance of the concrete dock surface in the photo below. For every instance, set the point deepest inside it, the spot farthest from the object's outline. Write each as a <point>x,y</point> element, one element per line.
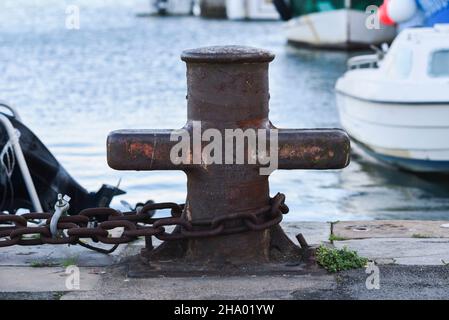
<point>411,256</point>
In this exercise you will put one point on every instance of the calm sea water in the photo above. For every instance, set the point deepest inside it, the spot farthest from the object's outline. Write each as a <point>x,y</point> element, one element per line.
<point>72,87</point>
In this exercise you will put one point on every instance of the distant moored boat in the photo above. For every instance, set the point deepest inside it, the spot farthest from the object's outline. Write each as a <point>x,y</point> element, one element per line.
<point>165,7</point>
<point>399,112</point>
<point>251,10</point>
<point>334,24</point>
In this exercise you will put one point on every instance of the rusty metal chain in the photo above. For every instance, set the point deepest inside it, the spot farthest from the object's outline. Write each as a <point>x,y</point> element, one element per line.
<point>95,224</point>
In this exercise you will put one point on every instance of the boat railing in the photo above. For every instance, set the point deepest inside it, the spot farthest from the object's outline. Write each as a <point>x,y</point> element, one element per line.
<point>369,60</point>
<point>12,153</point>
<point>365,61</point>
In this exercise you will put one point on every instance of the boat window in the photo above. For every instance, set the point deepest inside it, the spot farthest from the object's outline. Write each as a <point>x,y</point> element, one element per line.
<point>439,64</point>
<point>400,66</point>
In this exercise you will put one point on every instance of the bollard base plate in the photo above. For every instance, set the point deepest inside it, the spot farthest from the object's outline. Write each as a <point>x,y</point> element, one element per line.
<point>140,267</point>
<point>172,259</point>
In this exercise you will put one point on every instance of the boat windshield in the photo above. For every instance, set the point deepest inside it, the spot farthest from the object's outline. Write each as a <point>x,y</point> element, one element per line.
<point>399,63</point>
<point>302,7</point>
<point>439,64</point>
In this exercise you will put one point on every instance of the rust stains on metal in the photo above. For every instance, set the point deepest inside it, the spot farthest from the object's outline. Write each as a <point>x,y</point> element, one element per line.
<point>289,151</point>
<point>254,123</point>
<point>137,149</point>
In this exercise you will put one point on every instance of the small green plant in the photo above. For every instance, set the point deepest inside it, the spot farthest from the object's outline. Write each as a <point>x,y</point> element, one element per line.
<point>333,237</point>
<point>42,264</point>
<point>334,260</point>
<point>420,236</point>
<point>58,295</point>
<point>64,263</point>
<point>69,262</point>
<point>31,236</point>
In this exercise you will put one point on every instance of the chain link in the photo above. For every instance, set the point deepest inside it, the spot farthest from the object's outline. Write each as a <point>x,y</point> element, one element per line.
<point>96,223</point>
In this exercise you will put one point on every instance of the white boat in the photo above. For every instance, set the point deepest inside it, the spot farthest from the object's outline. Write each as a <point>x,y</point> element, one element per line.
<point>323,24</point>
<point>398,112</point>
<point>164,7</point>
<point>251,10</point>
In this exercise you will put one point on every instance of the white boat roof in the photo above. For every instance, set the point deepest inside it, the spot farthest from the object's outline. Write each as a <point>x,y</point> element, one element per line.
<point>439,31</point>
<point>404,75</point>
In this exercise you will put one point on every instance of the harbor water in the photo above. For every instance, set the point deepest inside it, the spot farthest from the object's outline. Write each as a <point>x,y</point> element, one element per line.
<point>72,87</point>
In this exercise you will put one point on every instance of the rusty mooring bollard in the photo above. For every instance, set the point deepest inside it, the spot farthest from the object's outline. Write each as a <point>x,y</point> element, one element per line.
<point>228,89</point>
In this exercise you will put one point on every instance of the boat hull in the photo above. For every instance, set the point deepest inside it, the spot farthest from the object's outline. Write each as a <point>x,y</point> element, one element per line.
<point>251,10</point>
<point>414,137</point>
<point>171,7</point>
<point>348,30</point>
<point>414,165</point>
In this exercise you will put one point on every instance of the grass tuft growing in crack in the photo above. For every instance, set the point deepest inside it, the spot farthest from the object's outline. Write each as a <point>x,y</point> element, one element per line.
<point>333,237</point>
<point>69,262</point>
<point>334,260</point>
<point>420,236</point>
<point>43,264</point>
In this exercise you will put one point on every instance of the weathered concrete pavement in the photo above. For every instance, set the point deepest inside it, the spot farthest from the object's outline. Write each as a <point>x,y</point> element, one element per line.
<point>396,242</point>
<point>409,268</point>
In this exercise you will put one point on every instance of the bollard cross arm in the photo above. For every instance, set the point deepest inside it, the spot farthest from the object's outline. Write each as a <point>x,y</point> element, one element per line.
<point>141,150</point>
<point>313,149</point>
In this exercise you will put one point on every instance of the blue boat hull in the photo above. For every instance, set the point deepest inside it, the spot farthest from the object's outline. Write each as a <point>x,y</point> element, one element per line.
<point>415,165</point>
